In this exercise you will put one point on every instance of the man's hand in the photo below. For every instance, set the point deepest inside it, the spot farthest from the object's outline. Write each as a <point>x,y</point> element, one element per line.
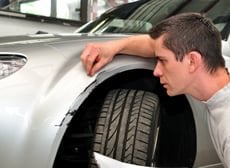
<point>96,55</point>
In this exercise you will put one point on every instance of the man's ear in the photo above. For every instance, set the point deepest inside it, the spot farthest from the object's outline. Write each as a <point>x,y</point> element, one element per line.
<point>194,60</point>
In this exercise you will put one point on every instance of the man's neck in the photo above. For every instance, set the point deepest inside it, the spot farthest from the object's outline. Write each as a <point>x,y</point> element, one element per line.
<point>207,85</point>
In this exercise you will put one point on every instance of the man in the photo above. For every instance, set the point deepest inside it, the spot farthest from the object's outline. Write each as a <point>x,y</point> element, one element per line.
<point>187,48</point>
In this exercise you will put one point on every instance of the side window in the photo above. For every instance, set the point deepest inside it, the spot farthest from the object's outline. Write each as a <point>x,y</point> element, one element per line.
<point>66,11</point>
<point>74,12</point>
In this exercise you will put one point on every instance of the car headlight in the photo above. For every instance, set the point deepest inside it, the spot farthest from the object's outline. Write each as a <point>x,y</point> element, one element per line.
<point>10,63</point>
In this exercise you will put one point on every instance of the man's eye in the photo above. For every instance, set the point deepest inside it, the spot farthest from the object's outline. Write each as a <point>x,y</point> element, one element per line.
<point>161,60</point>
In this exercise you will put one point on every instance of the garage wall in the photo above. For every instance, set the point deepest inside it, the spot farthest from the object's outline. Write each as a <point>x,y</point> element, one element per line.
<point>13,26</point>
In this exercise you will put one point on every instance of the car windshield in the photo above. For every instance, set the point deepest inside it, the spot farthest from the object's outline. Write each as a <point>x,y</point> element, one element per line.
<point>143,18</point>
<point>140,16</point>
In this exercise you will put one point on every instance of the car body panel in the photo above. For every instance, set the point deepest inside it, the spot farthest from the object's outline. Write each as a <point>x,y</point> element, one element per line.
<point>33,114</point>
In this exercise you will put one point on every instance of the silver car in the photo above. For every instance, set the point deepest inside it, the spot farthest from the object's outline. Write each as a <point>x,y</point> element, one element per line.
<point>54,115</point>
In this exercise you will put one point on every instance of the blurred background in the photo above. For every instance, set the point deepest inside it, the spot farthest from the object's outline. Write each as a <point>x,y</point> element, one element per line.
<point>57,16</point>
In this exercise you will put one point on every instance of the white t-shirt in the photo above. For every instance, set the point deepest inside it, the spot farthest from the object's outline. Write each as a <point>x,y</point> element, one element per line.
<point>219,123</point>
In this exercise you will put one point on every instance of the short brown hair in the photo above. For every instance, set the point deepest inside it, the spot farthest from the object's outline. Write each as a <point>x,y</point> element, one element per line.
<point>187,32</point>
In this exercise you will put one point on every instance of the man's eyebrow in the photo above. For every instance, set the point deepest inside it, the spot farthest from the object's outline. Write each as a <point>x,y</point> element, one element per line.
<point>158,57</point>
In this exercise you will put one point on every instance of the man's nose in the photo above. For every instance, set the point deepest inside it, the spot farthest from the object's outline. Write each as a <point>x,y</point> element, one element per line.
<point>157,71</point>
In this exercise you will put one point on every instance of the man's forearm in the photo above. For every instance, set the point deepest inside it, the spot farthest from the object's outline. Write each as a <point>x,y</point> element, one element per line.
<point>141,45</point>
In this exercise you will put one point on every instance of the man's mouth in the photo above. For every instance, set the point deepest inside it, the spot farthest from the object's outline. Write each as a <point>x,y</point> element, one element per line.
<point>164,84</point>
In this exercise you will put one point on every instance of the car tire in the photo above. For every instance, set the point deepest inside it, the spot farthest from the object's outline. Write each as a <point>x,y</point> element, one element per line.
<point>127,127</point>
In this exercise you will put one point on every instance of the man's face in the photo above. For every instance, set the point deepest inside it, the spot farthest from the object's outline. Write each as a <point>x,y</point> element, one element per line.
<point>173,74</point>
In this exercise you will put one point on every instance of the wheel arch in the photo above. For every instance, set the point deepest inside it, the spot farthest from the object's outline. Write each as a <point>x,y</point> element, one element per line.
<point>83,118</point>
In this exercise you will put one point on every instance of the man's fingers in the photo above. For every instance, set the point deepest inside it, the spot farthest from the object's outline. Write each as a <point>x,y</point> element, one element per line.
<point>90,61</point>
<point>89,56</point>
<point>93,58</point>
<point>97,59</point>
<point>84,55</point>
<point>98,65</point>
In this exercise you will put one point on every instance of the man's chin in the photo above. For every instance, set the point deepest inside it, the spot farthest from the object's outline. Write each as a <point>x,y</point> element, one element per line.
<point>170,93</point>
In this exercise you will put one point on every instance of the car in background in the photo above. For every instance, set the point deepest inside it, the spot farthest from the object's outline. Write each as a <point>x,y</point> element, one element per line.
<point>54,115</point>
<point>141,16</point>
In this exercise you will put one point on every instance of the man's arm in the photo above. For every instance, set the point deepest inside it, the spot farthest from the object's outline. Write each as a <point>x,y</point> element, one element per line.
<point>97,55</point>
